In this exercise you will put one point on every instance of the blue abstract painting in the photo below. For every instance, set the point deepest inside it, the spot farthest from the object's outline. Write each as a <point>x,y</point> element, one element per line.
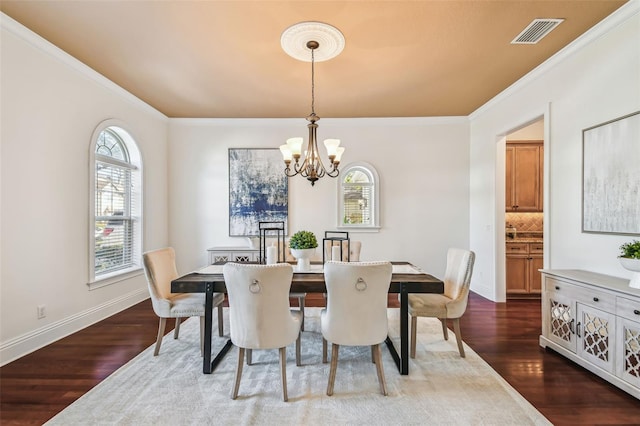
<point>258,190</point>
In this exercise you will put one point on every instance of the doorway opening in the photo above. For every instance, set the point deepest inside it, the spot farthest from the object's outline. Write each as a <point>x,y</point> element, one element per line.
<point>524,207</point>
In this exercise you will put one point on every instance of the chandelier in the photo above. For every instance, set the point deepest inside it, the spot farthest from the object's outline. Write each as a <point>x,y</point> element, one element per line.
<point>311,166</point>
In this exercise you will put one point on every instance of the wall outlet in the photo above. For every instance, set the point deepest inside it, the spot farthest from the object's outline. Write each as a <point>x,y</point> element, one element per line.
<point>42,311</point>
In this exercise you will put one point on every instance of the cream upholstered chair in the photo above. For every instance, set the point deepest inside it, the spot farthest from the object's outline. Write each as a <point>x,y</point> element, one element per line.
<point>259,313</point>
<point>160,270</point>
<point>356,313</point>
<point>450,305</point>
<point>354,256</point>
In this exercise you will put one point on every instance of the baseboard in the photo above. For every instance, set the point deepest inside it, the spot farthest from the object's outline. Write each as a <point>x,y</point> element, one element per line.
<point>36,339</point>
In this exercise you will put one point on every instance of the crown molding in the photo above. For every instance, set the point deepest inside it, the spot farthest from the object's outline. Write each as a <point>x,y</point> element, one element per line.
<point>618,17</point>
<point>334,122</point>
<point>23,33</point>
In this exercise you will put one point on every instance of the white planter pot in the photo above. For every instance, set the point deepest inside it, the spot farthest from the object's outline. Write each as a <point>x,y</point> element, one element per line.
<point>303,256</point>
<point>632,265</point>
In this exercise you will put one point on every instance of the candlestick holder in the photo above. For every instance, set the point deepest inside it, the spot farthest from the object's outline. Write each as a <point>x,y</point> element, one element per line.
<point>328,242</point>
<point>271,230</point>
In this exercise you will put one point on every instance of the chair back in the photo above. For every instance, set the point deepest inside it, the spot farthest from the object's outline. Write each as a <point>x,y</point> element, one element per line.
<point>160,270</point>
<point>259,313</point>
<point>357,302</point>
<point>457,279</point>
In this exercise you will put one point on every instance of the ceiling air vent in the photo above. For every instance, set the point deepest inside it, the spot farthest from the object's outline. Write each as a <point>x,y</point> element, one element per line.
<point>537,29</point>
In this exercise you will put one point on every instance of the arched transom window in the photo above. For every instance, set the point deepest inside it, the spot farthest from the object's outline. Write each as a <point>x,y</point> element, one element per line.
<point>358,197</point>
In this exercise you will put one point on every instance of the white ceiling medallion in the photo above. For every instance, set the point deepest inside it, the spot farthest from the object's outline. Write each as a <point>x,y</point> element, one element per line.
<point>295,38</point>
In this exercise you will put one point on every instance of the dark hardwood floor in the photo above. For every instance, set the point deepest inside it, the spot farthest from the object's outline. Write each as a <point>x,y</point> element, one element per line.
<point>37,386</point>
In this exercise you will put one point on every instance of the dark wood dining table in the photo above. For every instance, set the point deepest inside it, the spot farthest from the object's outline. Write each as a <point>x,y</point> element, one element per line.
<point>305,282</point>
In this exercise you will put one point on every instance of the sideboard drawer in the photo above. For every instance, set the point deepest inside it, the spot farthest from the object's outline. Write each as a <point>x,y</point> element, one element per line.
<point>597,299</point>
<point>553,285</point>
<point>627,308</point>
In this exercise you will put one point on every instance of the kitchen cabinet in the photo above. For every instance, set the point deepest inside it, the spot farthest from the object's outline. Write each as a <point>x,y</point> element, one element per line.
<point>594,320</point>
<point>523,262</point>
<point>523,178</point>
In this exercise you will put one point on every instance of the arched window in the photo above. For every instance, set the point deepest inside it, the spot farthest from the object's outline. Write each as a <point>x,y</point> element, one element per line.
<point>358,197</point>
<point>116,213</point>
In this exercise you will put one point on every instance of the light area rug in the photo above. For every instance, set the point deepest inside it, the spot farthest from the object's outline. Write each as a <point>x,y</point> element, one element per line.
<point>170,389</point>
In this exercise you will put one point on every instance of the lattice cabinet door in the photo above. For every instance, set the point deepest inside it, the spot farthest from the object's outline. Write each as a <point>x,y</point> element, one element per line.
<point>628,362</point>
<point>596,336</point>
<point>560,314</point>
<point>220,258</point>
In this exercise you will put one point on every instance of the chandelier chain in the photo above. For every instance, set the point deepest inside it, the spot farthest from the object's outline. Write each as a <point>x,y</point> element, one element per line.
<point>313,85</point>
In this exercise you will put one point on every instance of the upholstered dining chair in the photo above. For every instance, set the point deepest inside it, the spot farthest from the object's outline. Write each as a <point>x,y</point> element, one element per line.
<point>354,256</point>
<point>356,312</point>
<point>259,313</point>
<point>450,305</point>
<point>160,270</point>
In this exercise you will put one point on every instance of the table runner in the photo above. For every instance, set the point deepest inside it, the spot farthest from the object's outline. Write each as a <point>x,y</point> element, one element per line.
<point>318,269</point>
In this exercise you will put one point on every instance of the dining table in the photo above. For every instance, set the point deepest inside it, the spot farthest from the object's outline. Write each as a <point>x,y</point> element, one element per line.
<point>405,279</point>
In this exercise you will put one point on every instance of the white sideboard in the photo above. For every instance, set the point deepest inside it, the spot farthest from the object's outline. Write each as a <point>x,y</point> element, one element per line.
<point>233,254</point>
<point>594,320</point>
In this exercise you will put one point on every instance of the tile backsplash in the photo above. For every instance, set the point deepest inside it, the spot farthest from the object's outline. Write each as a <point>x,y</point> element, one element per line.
<point>525,222</point>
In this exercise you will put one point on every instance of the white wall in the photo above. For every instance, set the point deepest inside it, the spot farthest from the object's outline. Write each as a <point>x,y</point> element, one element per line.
<point>594,80</point>
<point>51,105</point>
<point>424,175</point>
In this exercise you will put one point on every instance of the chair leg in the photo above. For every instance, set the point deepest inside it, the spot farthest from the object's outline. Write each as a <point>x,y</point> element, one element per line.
<point>332,370</point>
<point>324,350</point>
<point>373,354</point>
<point>283,372</point>
<point>456,329</point>
<point>249,353</point>
<point>201,336</point>
<point>378,355</point>
<point>445,330</point>
<point>298,355</point>
<point>161,326</point>
<point>220,321</point>
<point>301,305</point>
<point>176,330</point>
<point>236,385</point>
<point>414,328</point>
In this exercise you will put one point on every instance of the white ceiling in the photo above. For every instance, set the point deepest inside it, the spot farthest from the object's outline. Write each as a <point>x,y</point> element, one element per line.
<point>224,59</point>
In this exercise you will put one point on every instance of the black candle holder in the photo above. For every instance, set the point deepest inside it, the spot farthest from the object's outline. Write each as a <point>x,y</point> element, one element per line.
<point>339,236</point>
<point>269,229</point>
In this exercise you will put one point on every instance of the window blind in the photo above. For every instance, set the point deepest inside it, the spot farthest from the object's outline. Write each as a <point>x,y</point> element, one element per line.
<point>115,217</point>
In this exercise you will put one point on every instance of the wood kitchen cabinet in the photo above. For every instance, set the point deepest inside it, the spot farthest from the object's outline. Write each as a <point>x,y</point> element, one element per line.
<point>523,262</point>
<point>523,178</point>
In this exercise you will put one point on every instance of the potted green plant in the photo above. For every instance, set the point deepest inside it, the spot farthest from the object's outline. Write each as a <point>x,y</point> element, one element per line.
<point>303,245</point>
<point>630,260</point>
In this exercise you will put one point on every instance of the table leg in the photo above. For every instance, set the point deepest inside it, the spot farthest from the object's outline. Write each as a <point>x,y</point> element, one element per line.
<point>208,320</point>
<point>402,360</point>
<point>207,364</point>
<point>404,330</point>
